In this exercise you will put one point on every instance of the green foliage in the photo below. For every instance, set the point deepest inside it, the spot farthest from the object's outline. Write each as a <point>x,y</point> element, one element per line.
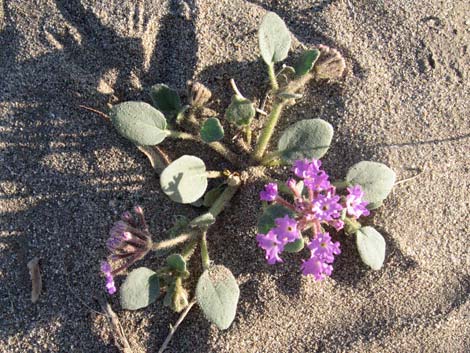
<point>270,213</point>
<point>139,122</point>
<point>212,130</point>
<point>376,179</point>
<point>306,61</point>
<point>240,111</point>
<point>371,247</point>
<point>140,289</point>
<point>295,246</point>
<point>202,221</point>
<point>305,139</point>
<point>176,262</point>
<point>166,100</point>
<point>217,294</point>
<point>184,180</point>
<point>274,39</point>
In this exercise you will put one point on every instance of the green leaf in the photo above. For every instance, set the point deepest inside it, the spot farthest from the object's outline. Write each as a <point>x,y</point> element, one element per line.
<point>240,111</point>
<point>305,139</point>
<point>306,61</point>
<point>202,221</point>
<point>139,122</point>
<point>212,195</point>
<point>140,289</point>
<point>212,130</point>
<point>274,39</point>
<point>176,262</point>
<point>184,180</point>
<point>374,205</point>
<point>217,294</point>
<point>376,180</point>
<point>270,213</point>
<point>295,246</point>
<point>371,247</point>
<point>166,100</point>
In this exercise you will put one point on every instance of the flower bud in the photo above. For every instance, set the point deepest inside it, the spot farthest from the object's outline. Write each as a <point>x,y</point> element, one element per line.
<point>198,94</point>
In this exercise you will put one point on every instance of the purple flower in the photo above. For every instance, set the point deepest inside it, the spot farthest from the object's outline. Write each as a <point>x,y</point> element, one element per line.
<point>107,271</point>
<point>354,205</point>
<point>305,169</point>
<point>269,193</point>
<point>324,248</point>
<point>271,245</point>
<point>337,224</point>
<point>326,208</point>
<point>286,229</point>
<point>318,182</point>
<point>316,267</point>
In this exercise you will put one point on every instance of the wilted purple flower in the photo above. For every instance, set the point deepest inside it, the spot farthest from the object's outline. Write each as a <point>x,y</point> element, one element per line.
<point>270,192</point>
<point>286,229</point>
<point>271,245</point>
<point>354,205</point>
<point>129,241</point>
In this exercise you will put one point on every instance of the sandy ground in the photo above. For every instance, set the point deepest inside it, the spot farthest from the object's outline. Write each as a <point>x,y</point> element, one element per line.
<point>66,175</point>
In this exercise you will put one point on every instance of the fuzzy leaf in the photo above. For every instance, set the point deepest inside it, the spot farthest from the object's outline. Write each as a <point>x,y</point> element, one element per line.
<point>371,247</point>
<point>240,111</point>
<point>184,180</point>
<point>270,213</point>
<point>176,262</point>
<point>274,39</point>
<point>305,139</point>
<point>202,221</point>
<point>140,289</point>
<point>376,180</point>
<point>139,122</point>
<point>212,130</point>
<point>295,246</point>
<point>217,293</point>
<point>166,100</point>
<point>306,61</point>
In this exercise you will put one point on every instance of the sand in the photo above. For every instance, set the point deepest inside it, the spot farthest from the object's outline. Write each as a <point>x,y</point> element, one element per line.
<point>66,174</point>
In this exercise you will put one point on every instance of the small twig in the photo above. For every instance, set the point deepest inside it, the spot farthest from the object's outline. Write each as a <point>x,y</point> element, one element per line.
<point>259,111</point>
<point>163,154</point>
<point>103,115</point>
<point>175,327</point>
<point>120,340</point>
<point>410,178</point>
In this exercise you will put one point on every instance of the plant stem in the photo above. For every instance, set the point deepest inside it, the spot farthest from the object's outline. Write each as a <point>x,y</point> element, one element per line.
<point>268,131</point>
<point>248,135</point>
<point>219,204</point>
<point>188,251</point>
<point>214,174</point>
<point>272,77</point>
<point>221,149</point>
<point>170,243</point>
<point>270,157</point>
<point>204,253</point>
<point>235,88</point>
<point>175,326</point>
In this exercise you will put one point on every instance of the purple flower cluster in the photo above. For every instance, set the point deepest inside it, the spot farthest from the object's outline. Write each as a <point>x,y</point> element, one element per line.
<point>316,206</point>
<point>128,242</point>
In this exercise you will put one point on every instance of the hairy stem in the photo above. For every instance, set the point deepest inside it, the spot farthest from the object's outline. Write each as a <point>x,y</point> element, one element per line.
<point>204,253</point>
<point>268,130</point>
<point>188,251</point>
<point>170,243</point>
<point>220,148</point>
<point>272,77</point>
<point>175,326</point>
<point>271,158</point>
<point>219,204</point>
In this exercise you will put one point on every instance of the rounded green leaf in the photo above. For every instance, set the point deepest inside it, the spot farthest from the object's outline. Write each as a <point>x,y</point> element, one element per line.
<point>240,111</point>
<point>270,213</point>
<point>274,39</point>
<point>212,130</point>
<point>139,122</point>
<point>166,100</point>
<point>305,139</point>
<point>184,180</point>
<point>306,61</point>
<point>217,294</point>
<point>295,246</point>
<point>140,289</point>
<point>376,180</point>
<point>176,262</point>
<point>371,247</point>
